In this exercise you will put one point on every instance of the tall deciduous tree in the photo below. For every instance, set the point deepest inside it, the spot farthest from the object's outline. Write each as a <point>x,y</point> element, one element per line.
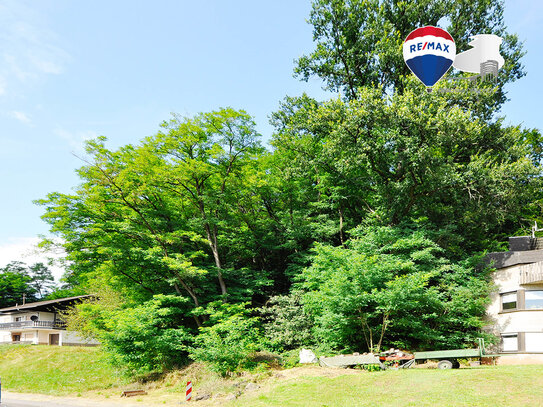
<point>202,160</point>
<point>147,218</point>
<point>387,159</point>
<point>15,285</point>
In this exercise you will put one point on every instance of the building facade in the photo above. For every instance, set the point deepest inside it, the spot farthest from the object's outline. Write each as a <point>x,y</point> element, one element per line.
<point>39,323</point>
<point>516,310</point>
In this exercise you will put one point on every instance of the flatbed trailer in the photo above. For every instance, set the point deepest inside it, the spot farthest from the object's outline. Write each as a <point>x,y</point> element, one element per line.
<point>448,359</point>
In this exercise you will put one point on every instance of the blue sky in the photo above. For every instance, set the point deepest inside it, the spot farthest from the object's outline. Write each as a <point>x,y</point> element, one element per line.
<point>74,70</point>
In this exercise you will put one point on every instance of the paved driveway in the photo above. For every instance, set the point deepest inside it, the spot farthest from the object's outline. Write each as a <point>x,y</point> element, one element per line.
<point>10,399</point>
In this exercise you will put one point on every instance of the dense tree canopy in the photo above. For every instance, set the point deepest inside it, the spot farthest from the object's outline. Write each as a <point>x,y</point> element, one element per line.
<point>366,221</point>
<point>20,282</point>
<point>393,283</point>
<point>387,159</point>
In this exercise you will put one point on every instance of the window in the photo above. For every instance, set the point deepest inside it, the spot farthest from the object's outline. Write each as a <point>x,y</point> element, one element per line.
<point>509,301</point>
<point>510,342</point>
<point>534,299</point>
<point>534,341</point>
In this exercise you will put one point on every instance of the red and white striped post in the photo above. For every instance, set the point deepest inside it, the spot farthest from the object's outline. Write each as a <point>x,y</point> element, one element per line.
<point>189,391</point>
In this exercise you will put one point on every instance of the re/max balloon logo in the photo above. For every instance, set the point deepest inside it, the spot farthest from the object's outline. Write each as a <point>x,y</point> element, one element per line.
<point>430,51</point>
<point>431,45</point>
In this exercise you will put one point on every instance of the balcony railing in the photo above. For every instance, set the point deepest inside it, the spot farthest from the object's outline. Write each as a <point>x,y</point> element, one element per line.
<point>32,324</point>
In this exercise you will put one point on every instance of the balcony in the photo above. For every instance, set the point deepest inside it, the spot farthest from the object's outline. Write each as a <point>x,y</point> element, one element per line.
<point>7,326</point>
<point>531,273</point>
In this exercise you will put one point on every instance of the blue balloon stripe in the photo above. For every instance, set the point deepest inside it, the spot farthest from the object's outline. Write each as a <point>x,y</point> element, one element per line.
<point>429,68</point>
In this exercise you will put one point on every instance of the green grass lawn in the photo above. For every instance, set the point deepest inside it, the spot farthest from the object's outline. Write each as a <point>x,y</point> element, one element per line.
<point>84,371</point>
<point>484,386</point>
<point>55,370</point>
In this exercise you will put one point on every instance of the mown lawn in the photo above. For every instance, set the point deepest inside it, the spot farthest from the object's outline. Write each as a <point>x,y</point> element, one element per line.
<point>484,386</point>
<point>73,371</point>
<point>55,370</point>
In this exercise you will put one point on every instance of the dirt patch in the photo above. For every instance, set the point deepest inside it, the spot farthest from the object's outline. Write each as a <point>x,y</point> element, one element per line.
<point>313,370</point>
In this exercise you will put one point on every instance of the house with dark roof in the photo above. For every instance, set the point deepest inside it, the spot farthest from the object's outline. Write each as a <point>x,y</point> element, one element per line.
<point>516,312</point>
<point>40,323</point>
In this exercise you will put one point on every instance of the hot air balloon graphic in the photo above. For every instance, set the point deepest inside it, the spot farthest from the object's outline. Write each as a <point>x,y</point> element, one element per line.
<point>429,53</point>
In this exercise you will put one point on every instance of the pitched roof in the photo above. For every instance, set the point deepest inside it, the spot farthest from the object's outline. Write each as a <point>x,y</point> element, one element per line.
<point>50,305</point>
<point>512,258</point>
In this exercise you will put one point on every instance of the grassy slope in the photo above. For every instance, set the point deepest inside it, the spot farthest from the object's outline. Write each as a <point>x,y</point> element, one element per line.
<point>74,371</point>
<point>55,370</point>
<point>484,386</point>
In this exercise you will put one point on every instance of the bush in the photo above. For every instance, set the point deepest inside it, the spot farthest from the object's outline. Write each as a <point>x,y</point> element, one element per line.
<point>287,326</point>
<point>230,340</point>
<point>394,286</point>
<point>149,338</point>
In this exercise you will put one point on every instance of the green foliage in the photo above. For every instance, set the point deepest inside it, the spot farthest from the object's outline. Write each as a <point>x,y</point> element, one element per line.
<point>148,338</point>
<point>383,160</point>
<point>229,340</point>
<point>287,326</point>
<point>42,279</point>
<point>16,282</point>
<point>395,189</point>
<point>393,286</point>
<point>164,216</point>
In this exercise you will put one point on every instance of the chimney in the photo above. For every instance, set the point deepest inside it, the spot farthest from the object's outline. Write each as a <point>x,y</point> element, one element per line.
<point>521,243</point>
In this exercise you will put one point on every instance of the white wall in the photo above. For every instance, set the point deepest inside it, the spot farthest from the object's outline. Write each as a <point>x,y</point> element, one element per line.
<point>527,322</point>
<point>520,359</point>
<point>506,280</point>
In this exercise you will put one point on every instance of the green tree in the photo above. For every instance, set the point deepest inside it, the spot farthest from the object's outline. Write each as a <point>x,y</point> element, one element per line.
<point>286,325</point>
<point>385,160</point>
<point>202,160</point>
<point>42,279</point>
<point>393,286</point>
<point>148,338</point>
<point>164,216</point>
<point>15,285</point>
<point>230,338</point>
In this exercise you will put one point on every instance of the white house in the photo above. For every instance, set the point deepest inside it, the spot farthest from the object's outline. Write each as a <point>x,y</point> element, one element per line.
<point>516,312</point>
<point>39,323</point>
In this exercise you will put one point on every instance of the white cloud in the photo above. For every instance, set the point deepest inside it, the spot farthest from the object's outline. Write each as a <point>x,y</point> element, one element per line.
<point>21,116</point>
<point>30,49</point>
<point>3,86</point>
<point>25,249</point>
<point>76,140</point>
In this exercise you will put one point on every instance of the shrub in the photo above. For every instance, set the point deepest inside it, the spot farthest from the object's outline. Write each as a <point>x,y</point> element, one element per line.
<point>230,340</point>
<point>149,338</point>
<point>287,326</point>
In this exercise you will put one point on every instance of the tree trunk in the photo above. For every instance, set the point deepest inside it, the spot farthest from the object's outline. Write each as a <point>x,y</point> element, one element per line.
<point>341,238</point>
<point>212,239</point>
<point>191,292</point>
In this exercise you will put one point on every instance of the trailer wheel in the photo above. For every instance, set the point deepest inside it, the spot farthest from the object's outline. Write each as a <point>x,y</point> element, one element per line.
<point>445,364</point>
<point>456,364</point>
